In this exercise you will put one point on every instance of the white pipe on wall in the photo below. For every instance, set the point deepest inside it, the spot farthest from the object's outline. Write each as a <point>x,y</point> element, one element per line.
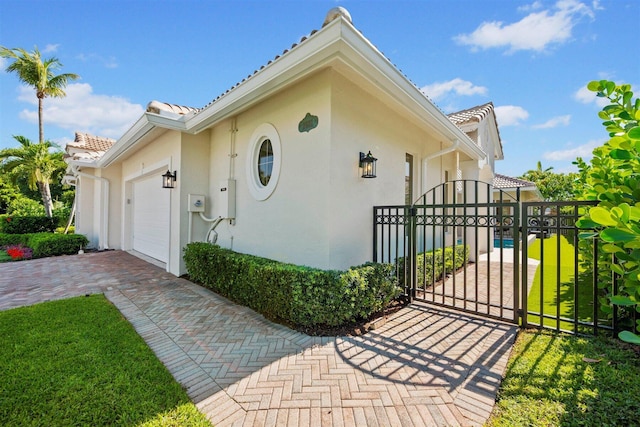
<point>431,156</point>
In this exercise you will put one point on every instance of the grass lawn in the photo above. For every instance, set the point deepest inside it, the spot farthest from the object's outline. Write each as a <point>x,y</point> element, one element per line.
<point>79,362</point>
<point>547,276</point>
<point>4,256</point>
<point>561,380</point>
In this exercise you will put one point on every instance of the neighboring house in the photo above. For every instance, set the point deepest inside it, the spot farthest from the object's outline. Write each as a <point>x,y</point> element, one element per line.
<point>92,200</point>
<point>272,166</point>
<point>517,189</point>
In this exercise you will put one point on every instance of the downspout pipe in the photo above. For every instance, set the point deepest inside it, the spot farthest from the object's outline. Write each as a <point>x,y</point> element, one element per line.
<point>104,220</point>
<point>431,156</point>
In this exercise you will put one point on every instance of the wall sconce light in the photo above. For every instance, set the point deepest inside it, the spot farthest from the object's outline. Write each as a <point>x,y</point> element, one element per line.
<point>368,165</point>
<point>169,179</point>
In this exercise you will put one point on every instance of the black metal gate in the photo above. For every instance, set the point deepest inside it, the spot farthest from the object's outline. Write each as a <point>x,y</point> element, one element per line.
<point>455,247</point>
<point>467,246</point>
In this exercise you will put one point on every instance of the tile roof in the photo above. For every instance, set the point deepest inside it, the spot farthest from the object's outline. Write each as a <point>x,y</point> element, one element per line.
<point>157,107</point>
<point>330,16</point>
<point>475,114</point>
<point>87,142</point>
<point>293,46</point>
<point>503,181</point>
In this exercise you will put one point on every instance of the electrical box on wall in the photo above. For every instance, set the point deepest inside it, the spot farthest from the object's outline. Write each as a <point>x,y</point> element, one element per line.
<point>227,208</point>
<point>196,203</point>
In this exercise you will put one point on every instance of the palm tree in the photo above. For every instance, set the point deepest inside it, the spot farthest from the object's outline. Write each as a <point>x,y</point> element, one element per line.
<point>38,73</point>
<point>37,163</point>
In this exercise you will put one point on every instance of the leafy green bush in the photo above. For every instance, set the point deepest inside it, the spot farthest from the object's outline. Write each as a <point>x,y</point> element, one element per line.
<point>613,179</point>
<point>14,239</point>
<point>430,266</point>
<point>11,224</point>
<point>46,244</point>
<point>49,244</point>
<point>24,206</point>
<point>294,294</point>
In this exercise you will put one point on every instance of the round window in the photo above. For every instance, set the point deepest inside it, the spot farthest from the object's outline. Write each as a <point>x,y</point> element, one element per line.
<point>263,161</point>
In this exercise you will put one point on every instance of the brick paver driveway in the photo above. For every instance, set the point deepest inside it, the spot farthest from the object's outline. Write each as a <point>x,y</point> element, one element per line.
<point>425,367</point>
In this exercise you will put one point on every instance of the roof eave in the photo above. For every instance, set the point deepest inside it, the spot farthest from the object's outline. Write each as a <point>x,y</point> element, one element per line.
<point>340,41</point>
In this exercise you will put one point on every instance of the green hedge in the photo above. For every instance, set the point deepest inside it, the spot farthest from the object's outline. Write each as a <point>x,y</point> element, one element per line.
<point>294,294</point>
<point>10,224</point>
<point>430,265</point>
<point>46,244</point>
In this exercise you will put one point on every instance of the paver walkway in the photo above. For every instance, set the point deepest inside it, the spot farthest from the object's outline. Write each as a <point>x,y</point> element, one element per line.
<point>425,367</point>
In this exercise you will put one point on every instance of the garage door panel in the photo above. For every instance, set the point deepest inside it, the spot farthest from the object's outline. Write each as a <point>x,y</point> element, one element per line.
<point>151,205</point>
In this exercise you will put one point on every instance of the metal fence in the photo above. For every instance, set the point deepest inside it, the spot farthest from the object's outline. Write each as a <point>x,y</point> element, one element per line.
<point>465,246</point>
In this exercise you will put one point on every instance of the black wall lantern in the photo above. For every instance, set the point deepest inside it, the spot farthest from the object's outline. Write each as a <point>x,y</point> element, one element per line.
<point>169,179</point>
<point>368,165</point>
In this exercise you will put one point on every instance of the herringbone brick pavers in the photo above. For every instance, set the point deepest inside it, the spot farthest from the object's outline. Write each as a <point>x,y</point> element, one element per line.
<point>424,367</point>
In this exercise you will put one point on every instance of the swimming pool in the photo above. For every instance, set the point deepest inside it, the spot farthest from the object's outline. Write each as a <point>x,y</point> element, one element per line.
<point>507,242</point>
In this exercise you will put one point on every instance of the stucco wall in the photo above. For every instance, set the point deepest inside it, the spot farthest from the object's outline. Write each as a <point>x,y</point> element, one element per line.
<point>153,159</point>
<point>292,224</point>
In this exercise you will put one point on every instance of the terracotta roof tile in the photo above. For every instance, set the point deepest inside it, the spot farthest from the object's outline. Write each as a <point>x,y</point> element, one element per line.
<point>472,114</point>
<point>89,142</point>
<point>157,107</point>
<point>503,181</point>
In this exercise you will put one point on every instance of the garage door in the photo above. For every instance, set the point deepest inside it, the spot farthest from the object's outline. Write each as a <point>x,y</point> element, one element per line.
<point>151,218</point>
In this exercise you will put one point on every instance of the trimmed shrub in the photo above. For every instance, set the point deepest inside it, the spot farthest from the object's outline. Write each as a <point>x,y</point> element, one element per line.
<point>11,224</point>
<point>294,294</point>
<point>14,239</point>
<point>49,244</point>
<point>46,244</point>
<point>431,267</point>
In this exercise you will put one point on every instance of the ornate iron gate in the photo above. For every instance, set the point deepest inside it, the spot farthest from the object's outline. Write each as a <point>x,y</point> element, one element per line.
<point>457,247</point>
<point>465,246</point>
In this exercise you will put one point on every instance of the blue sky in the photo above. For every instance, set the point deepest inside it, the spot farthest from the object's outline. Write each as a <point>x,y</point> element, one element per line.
<point>532,59</point>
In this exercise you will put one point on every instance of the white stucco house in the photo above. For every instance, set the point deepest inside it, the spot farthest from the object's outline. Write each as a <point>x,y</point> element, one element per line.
<point>272,166</point>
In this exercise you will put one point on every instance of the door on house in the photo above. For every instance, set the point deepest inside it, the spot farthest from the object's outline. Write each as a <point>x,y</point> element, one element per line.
<point>151,224</point>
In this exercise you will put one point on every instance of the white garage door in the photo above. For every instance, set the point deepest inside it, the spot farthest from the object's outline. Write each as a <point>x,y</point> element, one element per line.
<point>151,218</point>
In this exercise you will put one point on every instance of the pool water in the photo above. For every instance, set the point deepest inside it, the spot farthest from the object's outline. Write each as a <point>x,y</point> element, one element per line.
<point>506,242</point>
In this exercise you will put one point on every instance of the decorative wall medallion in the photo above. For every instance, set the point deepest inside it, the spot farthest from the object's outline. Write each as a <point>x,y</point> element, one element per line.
<point>309,122</point>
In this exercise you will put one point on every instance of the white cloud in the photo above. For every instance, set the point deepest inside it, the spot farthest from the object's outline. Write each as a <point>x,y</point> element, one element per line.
<point>585,96</point>
<point>458,86</point>
<point>529,7</point>
<point>4,63</point>
<point>50,48</point>
<point>109,62</point>
<point>536,31</point>
<point>510,115</point>
<point>585,151</point>
<point>83,110</point>
<point>554,122</point>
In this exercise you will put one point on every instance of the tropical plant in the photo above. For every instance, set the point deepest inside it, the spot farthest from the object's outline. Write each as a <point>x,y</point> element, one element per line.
<point>8,193</point>
<point>556,187</point>
<point>613,178</point>
<point>37,162</point>
<point>38,73</point>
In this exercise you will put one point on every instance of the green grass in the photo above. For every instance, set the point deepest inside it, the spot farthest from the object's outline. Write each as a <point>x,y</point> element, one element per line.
<point>550,270</point>
<point>4,256</point>
<point>550,383</point>
<point>79,362</point>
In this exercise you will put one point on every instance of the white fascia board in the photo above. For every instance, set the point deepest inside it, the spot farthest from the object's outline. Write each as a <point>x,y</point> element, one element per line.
<point>338,40</point>
<point>131,137</point>
<point>301,60</point>
<point>83,163</point>
<point>398,86</point>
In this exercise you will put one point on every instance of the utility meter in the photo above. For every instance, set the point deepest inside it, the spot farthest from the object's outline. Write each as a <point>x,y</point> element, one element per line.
<point>196,203</point>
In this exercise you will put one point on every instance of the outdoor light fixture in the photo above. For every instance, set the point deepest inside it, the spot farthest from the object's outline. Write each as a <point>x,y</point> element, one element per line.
<point>368,165</point>
<point>169,179</point>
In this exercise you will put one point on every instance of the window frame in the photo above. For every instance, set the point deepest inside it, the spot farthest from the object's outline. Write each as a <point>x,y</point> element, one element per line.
<point>263,132</point>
